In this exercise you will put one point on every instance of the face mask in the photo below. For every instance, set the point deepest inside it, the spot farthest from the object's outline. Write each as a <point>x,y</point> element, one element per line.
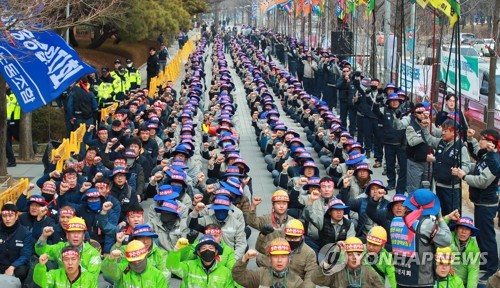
<point>48,197</point>
<point>207,255</point>
<point>129,65</point>
<point>130,162</point>
<point>168,219</point>
<point>294,244</point>
<point>94,206</point>
<point>139,267</point>
<point>221,215</point>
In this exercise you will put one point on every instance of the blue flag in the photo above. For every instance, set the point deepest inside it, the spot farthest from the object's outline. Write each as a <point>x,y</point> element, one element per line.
<point>38,66</point>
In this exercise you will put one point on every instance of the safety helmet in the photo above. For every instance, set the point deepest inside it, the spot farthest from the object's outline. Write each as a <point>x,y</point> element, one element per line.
<point>280,195</point>
<point>294,228</point>
<point>135,251</point>
<point>76,224</point>
<point>354,244</point>
<point>444,255</point>
<point>279,246</point>
<point>377,235</point>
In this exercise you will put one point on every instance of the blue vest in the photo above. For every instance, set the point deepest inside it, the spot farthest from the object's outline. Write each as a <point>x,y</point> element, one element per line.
<point>445,160</point>
<point>489,195</point>
<point>391,135</point>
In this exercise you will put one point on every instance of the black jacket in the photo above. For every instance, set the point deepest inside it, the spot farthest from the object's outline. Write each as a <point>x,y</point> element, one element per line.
<point>153,65</point>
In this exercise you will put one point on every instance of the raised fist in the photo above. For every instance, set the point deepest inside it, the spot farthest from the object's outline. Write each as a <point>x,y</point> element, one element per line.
<point>120,237</point>
<point>201,177</point>
<point>315,195</point>
<point>347,182</point>
<point>199,207</point>
<point>47,231</point>
<point>106,206</point>
<point>43,259</point>
<point>115,254</point>
<point>285,166</point>
<point>250,255</point>
<point>197,199</point>
<point>55,174</point>
<point>256,201</point>
<point>210,188</point>
<point>42,211</point>
<point>471,133</point>
<point>97,160</point>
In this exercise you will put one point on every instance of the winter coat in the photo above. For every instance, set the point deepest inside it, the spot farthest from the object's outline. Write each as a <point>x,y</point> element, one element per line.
<point>58,278</point>
<point>369,277</point>
<point>302,262</point>
<point>194,274</point>
<point>226,259</point>
<point>466,268</point>
<point>262,277</point>
<point>125,277</point>
<point>90,257</point>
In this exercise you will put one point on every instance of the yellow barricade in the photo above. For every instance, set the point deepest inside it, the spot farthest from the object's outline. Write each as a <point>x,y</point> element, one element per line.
<point>172,71</point>
<point>13,193</point>
<point>108,110</point>
<point>64,151</point>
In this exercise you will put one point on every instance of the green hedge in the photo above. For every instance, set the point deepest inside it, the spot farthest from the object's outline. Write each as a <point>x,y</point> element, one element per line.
<point>48,124</point>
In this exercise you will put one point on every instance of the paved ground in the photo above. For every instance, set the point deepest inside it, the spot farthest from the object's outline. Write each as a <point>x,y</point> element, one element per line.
<point>262,184</point>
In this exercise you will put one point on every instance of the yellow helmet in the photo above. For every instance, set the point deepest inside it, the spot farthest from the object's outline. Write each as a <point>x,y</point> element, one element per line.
<point>354,244</point>
<point>76,224</point>
<point>279,246</point>
<point>280,195</point>
<point>444,255</point>
<point>294,228</point>
<point>135,251</point>
<point>377,235</point>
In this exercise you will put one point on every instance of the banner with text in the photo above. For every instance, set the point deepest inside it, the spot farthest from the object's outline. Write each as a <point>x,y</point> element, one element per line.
<point>417,79</point>
<point>38,66</point>
<point>469,73</point>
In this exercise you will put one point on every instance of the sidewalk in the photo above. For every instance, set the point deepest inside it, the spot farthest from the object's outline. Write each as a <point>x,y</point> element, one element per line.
<point>172,51</point>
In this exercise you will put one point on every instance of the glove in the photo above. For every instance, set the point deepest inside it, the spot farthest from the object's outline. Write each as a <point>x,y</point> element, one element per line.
<point>398,114</point>
<point>266,229</point>
<point>379,98</point>
<point>181,243</point>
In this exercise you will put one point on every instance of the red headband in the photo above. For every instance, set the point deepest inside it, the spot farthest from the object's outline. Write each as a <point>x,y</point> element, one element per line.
<point>70,253</point>
<point>212,231</point>
<point>492,139</point>
<point>67,212</point>
<point>130,213</point>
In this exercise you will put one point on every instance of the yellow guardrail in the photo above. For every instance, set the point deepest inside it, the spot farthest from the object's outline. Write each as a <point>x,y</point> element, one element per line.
<point>173,70</point>
<point>13,193</point>
<point>69,146</point>
<point>110,110</point>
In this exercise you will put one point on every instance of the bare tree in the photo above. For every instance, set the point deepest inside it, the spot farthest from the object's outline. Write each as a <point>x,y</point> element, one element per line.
<point>42,15</point>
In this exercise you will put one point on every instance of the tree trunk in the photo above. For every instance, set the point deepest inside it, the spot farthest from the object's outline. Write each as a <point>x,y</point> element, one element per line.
<point>26,152</point>
<point>303,27</point>
<point>72,38</point>
<point>100,38</point>
<point>3,128</point>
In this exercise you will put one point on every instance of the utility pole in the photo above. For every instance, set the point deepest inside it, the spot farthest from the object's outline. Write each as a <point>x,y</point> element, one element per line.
<point>493,68</point>
<point>387,32</point>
